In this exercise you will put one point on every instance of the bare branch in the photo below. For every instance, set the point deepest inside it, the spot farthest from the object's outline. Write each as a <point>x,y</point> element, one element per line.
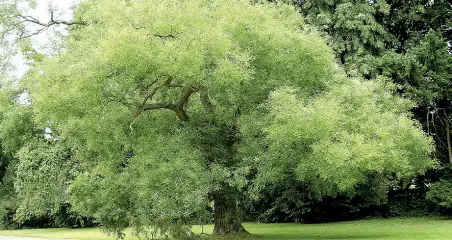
<point>169,83</point>
<point>434,127</point>
<point>186,93</point>
<point>51,22</point>
<point>31,19</point>
<point>146,107</point>
<point>110,98</point>
<point>21,37</point>
<point>70,23</point>
<point>133,122</point>
<point>45,25</point>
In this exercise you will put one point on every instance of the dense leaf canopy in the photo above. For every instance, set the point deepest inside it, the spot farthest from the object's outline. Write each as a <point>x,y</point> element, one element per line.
<point>113,93</point>
<point>156,108</point>
<point>352,135</point>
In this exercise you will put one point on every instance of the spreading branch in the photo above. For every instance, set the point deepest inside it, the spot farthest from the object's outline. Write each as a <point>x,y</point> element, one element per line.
<point>52,21</point>
<point>177,107</point>
<point>45,25</point>
<point>186,93</point>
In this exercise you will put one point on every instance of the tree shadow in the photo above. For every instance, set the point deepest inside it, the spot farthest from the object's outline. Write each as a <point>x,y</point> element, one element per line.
<point>323,236</point>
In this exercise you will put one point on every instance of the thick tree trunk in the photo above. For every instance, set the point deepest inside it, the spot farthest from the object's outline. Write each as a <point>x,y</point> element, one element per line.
<point>226,216</point>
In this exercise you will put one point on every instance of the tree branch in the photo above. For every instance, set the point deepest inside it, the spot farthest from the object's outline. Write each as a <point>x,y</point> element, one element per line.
<point>45,25</point>
<point>164,35</point>
<point>32,34</point>
<point>205,100</point>
<point>152,93</point>
<point>171,35</point>
<point>186,93</point>
<point>178,108</point>
<point>169,83</point>
<point>51,22</point>
<point>152,106</point>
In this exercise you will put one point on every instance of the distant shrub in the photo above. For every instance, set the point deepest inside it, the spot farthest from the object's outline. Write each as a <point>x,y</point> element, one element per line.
<point>441,193</point>
<point>7,220</point>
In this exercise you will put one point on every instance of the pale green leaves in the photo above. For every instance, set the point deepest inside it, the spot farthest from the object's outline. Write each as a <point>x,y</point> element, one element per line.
<point>337,140</point>
<point>43,173</point>
<point>111,94</point>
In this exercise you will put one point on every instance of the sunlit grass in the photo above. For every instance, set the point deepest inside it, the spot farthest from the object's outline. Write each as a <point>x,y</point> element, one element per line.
<point>379,229</point>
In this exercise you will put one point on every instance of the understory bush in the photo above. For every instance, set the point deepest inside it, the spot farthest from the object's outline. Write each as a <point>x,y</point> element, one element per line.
<point>292,203</point>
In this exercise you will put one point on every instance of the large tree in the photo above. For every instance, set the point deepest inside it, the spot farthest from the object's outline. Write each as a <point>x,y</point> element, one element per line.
<point>152,93</point>
<point>170,105</point>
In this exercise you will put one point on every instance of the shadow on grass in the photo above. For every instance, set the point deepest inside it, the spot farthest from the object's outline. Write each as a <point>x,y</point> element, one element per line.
<point>296,237</point>
<point>320,237</point>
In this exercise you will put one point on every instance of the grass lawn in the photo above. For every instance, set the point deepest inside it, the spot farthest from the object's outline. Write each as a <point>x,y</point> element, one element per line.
<point>387,229</point>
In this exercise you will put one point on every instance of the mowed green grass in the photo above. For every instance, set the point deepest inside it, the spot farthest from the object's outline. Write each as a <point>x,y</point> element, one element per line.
<point>387,229</point>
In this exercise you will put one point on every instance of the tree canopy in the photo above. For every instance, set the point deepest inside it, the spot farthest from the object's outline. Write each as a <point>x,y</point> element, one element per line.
<point>158,109</point>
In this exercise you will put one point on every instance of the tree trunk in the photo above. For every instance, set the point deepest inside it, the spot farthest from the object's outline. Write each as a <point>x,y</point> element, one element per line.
<point>449,148</point>
<point>226,216</point>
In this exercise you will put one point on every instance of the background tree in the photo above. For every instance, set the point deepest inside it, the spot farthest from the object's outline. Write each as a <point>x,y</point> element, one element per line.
<point>355,30</point>
<point>404,40</point>
<point>14,129</point>
<point>35,169</point>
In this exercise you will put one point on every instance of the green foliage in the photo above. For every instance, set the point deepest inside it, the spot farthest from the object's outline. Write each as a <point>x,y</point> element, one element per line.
<point>34,172</point>
<point>441,193</point>
<point>410,21</point>
<point>362,31</point>
<point>337,141</point>
<point>354,28</point>
<point>8,203</point>
<point>157,107</point>
<point>406,41</point>
<point>17,128</point>
<point>139,165</point>
<point>424,72</point>
<point>42,176</point>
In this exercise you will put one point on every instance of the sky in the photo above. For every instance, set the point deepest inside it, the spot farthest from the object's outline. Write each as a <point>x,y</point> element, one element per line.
<point>62,11</point>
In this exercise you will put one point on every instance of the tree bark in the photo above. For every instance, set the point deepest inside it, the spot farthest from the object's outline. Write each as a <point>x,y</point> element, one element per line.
<point>226,216</point>
<point>449,148</point>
